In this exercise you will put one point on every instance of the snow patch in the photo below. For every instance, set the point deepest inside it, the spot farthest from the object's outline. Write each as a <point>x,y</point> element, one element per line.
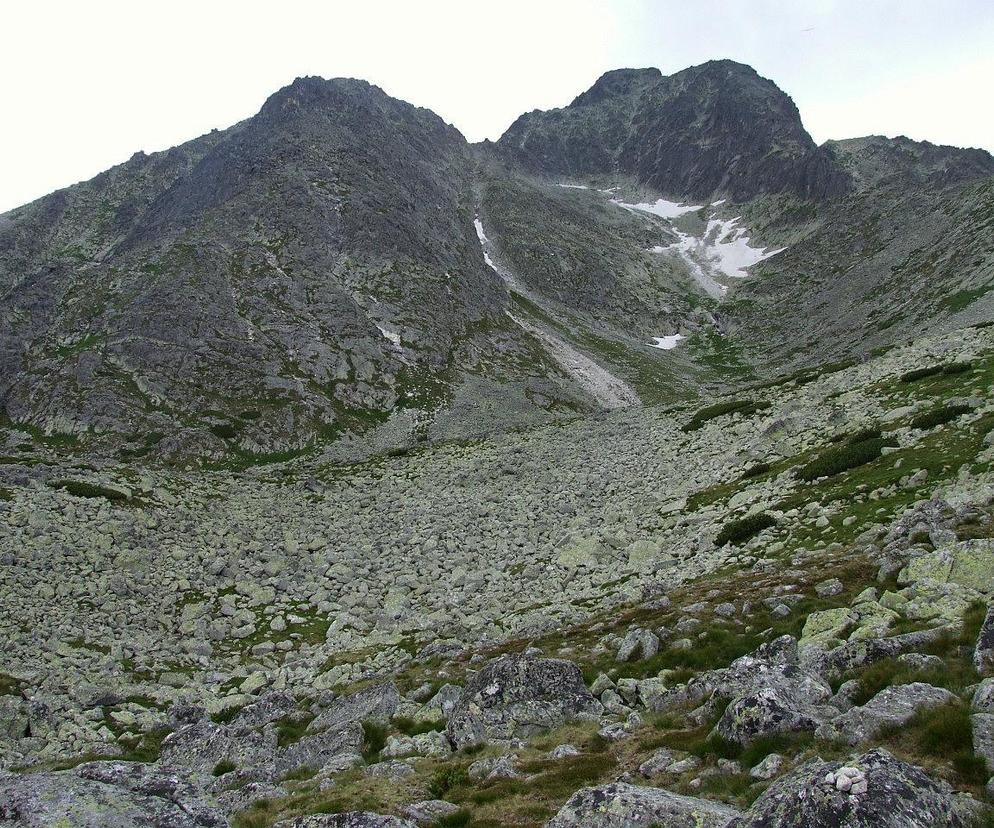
<point>393,337</point>
<point>665,343</point>
<point>484,241</point>
<point>662,208</point>
<point>574,186</point>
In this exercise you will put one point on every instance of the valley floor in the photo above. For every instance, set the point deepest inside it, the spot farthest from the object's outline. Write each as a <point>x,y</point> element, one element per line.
<point>646,544</point>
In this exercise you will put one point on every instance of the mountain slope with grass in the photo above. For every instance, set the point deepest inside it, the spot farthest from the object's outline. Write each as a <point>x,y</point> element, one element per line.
<point>634,469</point>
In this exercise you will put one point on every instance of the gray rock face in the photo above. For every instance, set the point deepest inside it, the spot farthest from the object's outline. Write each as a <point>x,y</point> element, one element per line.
<point>377,703</point>
<point>983,655</point>
<point>891,706</point>
<point>106,795</point>
<point>518,696</point>
<point>767,712</point>
<point>897,795</point>
<point>629,806</point>
<point>648,125</point>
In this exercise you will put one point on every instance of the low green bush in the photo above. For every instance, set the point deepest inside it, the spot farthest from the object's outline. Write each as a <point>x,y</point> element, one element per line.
<point>445,779</point>
<point>755,470</point>
<point>374,739</point>
<point>934,370</point>
<point>223,767</point>
<point>79,488</point>
<point>738,532</point>
<point>939,416</point>
<point>226,431</point>
<point>842,458</point>
<point>712,412</point>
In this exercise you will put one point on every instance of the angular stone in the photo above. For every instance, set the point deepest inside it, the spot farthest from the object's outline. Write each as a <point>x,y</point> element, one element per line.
<point>619,805</point>
<point>896,795</point>
<point>519,696</point>
<point>892,706</point>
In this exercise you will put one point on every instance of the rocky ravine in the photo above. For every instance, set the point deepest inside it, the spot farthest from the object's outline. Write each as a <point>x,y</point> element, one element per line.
<point>764,612</point>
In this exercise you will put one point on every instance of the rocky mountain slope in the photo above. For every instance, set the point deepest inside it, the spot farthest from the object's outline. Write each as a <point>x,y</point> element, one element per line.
<point>632,470</point>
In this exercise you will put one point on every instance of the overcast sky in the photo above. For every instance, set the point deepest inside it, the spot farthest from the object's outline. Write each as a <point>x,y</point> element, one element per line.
<point>86,84</point>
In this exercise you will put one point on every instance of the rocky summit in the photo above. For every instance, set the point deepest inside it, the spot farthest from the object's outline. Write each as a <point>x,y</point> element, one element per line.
<point>635,469</point>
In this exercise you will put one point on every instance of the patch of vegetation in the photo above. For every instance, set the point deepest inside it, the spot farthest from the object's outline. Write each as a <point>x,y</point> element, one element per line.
<point>289,731</point>
<point>756,470</point>
<point>9,686</point>
<point>739,531</point>
<point>938,416</point>
<point>223,767</point>
<point>445,779</point>
<point>226,431</point>
<point>949,369</point>
<point>944,733</point>
<point>712,412</point>
<point>251,414</point>
<point>414,727</point>
<point>842,458</point>
<point>80,488</point>
<point>374,739</point>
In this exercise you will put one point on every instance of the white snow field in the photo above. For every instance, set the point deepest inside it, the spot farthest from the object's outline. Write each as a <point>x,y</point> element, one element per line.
<point>666,343</point>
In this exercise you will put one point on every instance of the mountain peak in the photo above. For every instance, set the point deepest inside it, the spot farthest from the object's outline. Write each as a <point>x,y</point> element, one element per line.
<point>716,128</point>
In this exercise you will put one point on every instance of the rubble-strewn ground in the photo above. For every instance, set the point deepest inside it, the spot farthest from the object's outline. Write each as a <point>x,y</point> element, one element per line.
<point>300,639</point>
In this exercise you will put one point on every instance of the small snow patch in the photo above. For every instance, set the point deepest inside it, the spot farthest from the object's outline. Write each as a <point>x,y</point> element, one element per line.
<point>393,337</point>
<point>665,343</point>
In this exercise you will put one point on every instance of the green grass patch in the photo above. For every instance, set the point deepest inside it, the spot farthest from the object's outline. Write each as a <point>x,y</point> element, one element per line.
<point>756,470</point>
<point>374,740</point>
<point>739,531</point>
<point>414,727</point>
<point>223,767</point>
<point>80,488</point>
<point>722,409</point>
<point>938,416</point>
<point>842,458</point>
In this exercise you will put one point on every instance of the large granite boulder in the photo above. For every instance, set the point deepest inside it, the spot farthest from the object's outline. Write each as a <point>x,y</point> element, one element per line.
<point>377,703</point>
<point>892,706</point>
<point>983,655</point>
<point>106,795</point>
<point>874,791</point>
<point>767,712</point>
<point>619,805</point>
<point>518,696</point>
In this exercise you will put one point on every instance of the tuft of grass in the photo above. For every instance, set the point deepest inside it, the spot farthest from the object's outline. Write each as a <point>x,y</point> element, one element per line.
<point>939,416</point>
<point>413,727</point>
<point>457,819</point>
<point>223,767</point>
<point>712,412</point>
<point>445,779</point>
<point>290,731</point>
<point>842,458</point>
<point>755,471</point>
<point>374,739</point>
<point>738,532</point>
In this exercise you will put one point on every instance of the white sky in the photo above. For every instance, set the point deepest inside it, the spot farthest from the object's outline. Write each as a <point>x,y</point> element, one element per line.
<point>86,84</point>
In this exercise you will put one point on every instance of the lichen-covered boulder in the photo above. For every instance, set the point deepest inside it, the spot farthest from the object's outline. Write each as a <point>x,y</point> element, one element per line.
<point>892,706</point>
<point>199,747</point>
<point>768,712</point>
<point>983,655</point>
<point>377,703</point>
<point>519,696</point>
<point>619,805</point>
<point>106,795</point>
<point>877,791</point>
